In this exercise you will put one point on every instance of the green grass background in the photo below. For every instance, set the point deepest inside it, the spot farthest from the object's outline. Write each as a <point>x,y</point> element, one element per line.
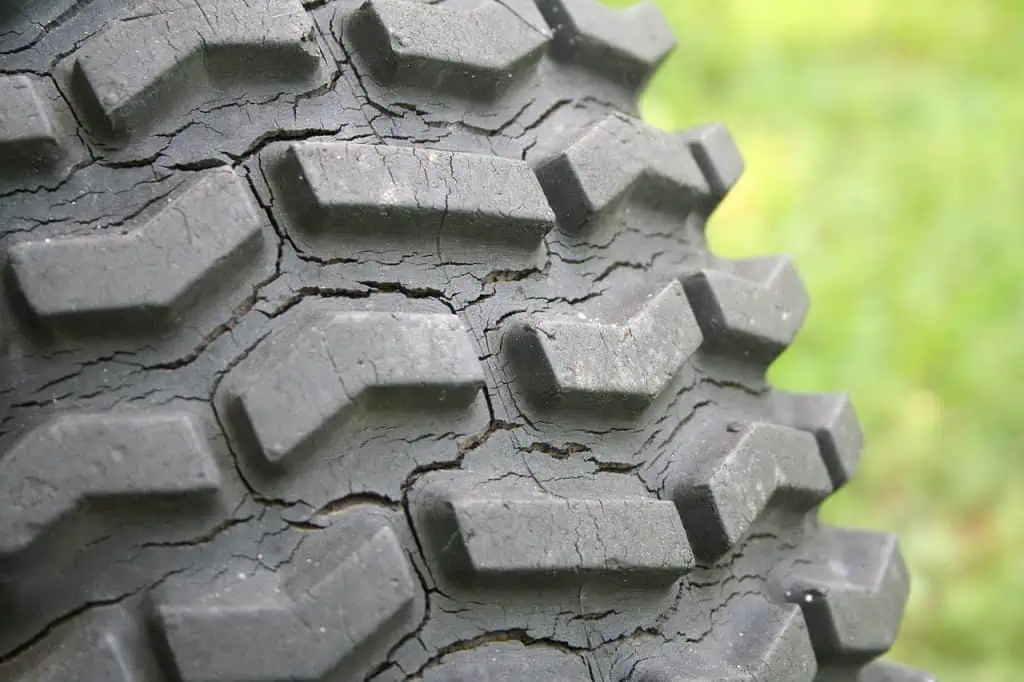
<point>884,142</point>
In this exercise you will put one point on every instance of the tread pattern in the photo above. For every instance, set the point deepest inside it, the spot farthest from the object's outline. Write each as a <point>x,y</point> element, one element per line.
<point>119,72</point>
<point>369,189</point>
<point>626,45</point>
<point>503,533</point>
<point>566,361</point>
<point>886,671</point>
<point>754,310</point>
<point>363,595</point>
<point>59,466</point>
<point>834,423</point>
<point>477,52</point>
<point>619,160</point>
<point>149,273</point>
<point>509,662</point>
<point>852,590</point>
<point>721,496</point>
<point>29,135</point>
<point>299,381</point>
<point>308,381</point>
<point>762,643</point>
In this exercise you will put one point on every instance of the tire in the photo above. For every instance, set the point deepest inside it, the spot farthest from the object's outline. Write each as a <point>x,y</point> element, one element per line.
<point>381,341</point>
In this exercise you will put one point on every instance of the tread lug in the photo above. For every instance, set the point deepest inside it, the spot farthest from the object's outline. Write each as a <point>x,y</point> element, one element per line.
<point>728,487</point>
<point>715,151</point>
<point>852,589</point>
<point>149,273</point>
<point>834,423</point>
<point>760,643</point>
<point>107,644</point>
<point>319,617</point>
<point>477,53</point>
<point>173,44</point>
<point>55,469</point>
<point>756,309</point>
<point>625,45</point>
<point>499,533</point>
<point>581,364</point>
<point>372,189</point>
<point>29,133</point>
<point>307,381</point>
<point>619,160</point>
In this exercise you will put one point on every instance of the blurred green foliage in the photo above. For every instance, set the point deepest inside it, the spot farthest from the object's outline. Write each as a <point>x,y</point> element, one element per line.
<point>884,144</point>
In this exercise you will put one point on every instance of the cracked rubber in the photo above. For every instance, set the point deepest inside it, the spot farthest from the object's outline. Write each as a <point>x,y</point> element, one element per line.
<point>379,340</point>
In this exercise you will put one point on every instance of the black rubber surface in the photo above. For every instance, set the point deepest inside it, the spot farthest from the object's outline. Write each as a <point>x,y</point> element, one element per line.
<point>378,340</point>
